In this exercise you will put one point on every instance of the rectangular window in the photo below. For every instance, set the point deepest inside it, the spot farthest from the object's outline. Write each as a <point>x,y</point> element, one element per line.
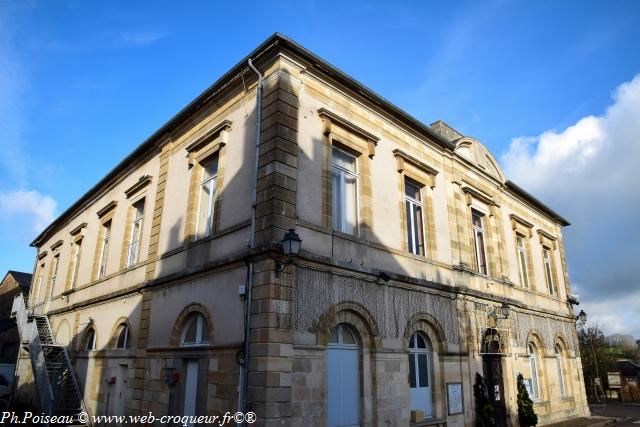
<point>546,255</point>
<point>478,240</point>
<point>54,272</point>
<point>38,287</point>
<point>75,258</point>
<point>207,196</point>
<point>136,233</point>
<point>522,261</point>
<point>105,249</point>
<point>344,184</point>
<point>414,209</point>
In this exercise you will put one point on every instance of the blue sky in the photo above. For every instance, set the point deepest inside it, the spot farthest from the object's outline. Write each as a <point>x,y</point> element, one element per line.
<point>82,84</point>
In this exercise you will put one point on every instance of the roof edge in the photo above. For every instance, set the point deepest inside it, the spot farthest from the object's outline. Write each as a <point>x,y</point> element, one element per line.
<point>275,39</point>
<point>536,202</point>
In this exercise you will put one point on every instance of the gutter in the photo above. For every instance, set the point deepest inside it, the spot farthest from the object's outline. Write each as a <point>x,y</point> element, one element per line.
<point>244,368</point>
<point>516,189</point>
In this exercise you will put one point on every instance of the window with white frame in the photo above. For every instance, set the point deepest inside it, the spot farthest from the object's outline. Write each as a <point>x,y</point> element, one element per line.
<point>533,363</point>
<point>546,257</point>
<point>207,196</point>
<point>136,232</point>
<point>104,252</point>
<point>123,337</point>
<point>195,331</point>
<point>414,212</point>
<point>75,258</point>
<point>522,260</point>
<point>477,219</point>
<point>558,352</point>
<point>421,374</point>
<point>344,191</point>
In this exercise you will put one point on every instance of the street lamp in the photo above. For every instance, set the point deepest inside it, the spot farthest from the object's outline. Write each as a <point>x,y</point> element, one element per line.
<point>505,310</point>
<point>291,243</point>
<point>582,317</point>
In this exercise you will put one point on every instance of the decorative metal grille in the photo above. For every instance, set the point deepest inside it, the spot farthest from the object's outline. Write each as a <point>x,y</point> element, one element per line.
<point>316,291</point>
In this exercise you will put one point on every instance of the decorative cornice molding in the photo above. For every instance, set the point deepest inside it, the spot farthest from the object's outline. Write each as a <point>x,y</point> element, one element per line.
<point>518,219</point>
<point>221,129</point>
<point>329,118</point>
<point>42,254</point>
<point>543,234</point>
<point>142,182</point>
<point>471,192</point>
<point>107,208</point>
<point>402,157</point>
<point>56,245</point>
<point>78,229</point>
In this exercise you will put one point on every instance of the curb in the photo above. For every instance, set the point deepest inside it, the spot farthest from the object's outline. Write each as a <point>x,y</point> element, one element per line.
<point>606,422</point>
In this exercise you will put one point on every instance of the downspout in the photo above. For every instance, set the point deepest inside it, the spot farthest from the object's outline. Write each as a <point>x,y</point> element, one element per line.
<point>252,243</point>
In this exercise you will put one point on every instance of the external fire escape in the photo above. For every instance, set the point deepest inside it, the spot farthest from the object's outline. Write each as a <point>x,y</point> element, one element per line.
<point>54,376</point>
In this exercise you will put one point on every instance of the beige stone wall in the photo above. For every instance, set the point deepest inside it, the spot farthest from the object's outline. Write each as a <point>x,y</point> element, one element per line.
<point>335,279</point>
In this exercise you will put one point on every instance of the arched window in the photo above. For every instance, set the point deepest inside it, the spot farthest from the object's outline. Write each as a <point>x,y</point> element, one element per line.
<point>558,352</point>
<point>90,340</point>
<point>420,374</point>
<point>195,331</point>
<point>533,362</point>
<point>123,337</point>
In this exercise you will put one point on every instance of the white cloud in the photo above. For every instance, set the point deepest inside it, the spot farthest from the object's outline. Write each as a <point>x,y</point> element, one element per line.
<point>141,38</point>
<point>28,207</point>
<point>589,173</point>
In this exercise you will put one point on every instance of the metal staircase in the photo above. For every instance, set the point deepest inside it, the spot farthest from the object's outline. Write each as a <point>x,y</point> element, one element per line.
<point>54,376</point>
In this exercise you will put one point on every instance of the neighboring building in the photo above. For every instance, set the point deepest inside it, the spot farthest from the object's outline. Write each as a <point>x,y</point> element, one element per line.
<point>414,248</point>
<point>13,284</point>
<point>629,371</point>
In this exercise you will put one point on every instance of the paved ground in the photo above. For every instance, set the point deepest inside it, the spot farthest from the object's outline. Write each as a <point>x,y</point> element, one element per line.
<point>614,414</point>
<point>627,413</point>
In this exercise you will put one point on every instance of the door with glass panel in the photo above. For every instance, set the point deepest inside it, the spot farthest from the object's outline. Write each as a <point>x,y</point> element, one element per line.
<point>343,382</point>
<point>420,377</point>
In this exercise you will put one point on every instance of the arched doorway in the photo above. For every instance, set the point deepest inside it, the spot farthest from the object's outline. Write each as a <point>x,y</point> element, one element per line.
<point>492,369</point>
<point>420,374</point>
<point>343,379</point>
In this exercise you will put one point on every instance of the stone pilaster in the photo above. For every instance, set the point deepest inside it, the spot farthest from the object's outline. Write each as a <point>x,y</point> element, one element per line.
<point>271,338</point>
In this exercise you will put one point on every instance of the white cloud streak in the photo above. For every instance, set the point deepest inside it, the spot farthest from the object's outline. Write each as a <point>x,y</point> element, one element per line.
<point>588,172</point>
<point>28,207</point>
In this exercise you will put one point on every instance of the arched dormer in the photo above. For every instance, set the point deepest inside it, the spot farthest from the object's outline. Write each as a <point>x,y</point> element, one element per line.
<point>472,150</point>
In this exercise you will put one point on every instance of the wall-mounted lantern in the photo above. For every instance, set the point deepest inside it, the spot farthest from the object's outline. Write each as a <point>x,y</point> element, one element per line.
<point>291,243</point>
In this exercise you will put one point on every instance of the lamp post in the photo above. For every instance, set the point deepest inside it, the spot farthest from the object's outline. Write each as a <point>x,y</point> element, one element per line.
<point>291,243</point>
<point>590,336</point>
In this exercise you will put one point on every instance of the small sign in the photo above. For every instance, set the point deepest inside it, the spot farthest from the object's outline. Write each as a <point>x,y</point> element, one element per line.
<point>454,398</point>
<point>613,378</point>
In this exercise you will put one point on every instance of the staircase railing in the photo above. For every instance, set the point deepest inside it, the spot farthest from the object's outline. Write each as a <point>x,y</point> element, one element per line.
<point>40,375</point>
<point>38,351</point>
<point>29,334</point>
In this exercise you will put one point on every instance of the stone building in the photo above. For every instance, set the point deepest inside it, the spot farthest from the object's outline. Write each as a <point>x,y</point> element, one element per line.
<point>13,284</point>
<point>420,265</point>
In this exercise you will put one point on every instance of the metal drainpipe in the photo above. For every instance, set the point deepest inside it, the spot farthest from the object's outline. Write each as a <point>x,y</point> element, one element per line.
<point>252,244</point>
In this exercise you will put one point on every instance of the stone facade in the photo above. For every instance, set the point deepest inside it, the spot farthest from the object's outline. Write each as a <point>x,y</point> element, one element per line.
<point>368,281</point>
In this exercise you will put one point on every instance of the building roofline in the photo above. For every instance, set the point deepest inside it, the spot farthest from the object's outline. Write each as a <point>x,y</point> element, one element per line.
<point>273,42</point>
<point>537,203</point>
